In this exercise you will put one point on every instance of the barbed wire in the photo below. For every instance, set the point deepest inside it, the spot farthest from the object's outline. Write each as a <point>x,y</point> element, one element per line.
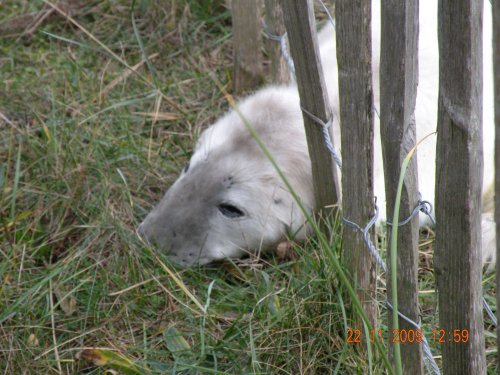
<point>422,205</point>
<point>326,135</point>
<point>365,231</point>
<point>282,39</point>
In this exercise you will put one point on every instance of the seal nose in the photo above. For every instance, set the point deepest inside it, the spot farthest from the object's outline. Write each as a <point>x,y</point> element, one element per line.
<point>153,235</point>
<point>142,232</point>
<point>165,239</point>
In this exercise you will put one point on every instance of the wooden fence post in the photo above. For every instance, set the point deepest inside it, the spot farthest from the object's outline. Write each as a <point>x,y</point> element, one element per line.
<point>247,44</point>
<point>300,26</point>
<point>353,36</point>
<point>496,72</point>
<point>459,174</point>
<point>398,93</point>
<point>279,72</point>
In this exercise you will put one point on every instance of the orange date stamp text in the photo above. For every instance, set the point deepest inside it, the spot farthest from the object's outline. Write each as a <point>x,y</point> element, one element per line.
<point>408,336</point>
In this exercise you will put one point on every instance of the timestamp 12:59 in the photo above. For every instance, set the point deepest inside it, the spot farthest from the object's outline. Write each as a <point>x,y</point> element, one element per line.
<point>456,335</point>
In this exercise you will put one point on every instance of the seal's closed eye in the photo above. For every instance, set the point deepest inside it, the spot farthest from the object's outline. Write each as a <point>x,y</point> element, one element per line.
<point>230,211</point>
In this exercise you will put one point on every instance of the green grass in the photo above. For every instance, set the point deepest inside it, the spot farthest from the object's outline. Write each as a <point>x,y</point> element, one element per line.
<point>83,159</point>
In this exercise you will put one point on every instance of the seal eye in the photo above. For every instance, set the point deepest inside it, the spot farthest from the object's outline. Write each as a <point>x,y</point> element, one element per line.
<point>230,211</point>
<point>186,168</point>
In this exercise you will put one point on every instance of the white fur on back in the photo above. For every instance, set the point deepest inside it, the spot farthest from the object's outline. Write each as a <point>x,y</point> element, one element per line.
<point>427,99</point>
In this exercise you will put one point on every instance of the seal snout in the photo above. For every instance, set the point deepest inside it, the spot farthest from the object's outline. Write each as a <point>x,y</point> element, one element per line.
<point>141,232</point>
<point>146,233</point>
<point>158,234</point>
<point>155,232</point>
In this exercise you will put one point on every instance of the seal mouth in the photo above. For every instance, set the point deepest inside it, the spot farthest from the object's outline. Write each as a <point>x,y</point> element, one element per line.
<point>182,262</point>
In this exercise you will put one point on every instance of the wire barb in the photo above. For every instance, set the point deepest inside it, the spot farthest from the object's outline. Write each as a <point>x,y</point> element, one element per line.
<point>422,206</point>
<point>326,135</point>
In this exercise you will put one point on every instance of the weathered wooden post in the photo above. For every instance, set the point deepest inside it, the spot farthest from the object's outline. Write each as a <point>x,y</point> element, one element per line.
<point>247,44</point>
<point>398,92</point>
<point>279,72</point>
<point>496,73</point>
<point>353,35</point>
<point>300,26</point>
<point>459,175</point>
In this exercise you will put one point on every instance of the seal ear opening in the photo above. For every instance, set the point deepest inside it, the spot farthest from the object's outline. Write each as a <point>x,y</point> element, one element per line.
<point>230,211</point>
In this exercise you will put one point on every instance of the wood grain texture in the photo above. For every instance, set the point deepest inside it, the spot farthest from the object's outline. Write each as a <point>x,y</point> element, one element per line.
<point>398,92</point>
<point>247,44</point>
<point>496,74</point>
<point>459,174</point>
<point>301,29</point>
<point>278,70</point>
<point>353,36</point>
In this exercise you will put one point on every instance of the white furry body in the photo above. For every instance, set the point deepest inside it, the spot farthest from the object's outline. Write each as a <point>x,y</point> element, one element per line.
<point>227,152</point>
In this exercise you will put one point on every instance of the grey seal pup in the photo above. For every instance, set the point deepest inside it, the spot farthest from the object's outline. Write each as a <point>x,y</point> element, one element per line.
<point>229,200</point>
